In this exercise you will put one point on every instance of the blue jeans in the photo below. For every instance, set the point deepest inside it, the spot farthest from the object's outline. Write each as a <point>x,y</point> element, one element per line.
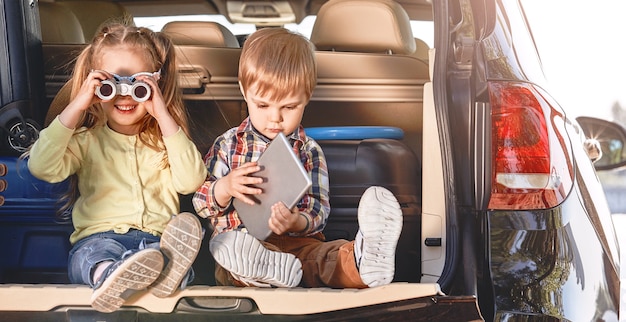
<point>108,246</point>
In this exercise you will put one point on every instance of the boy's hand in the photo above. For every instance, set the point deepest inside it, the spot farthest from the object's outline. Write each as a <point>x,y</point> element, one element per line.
<point>283,220</point>
<point>237,183</point>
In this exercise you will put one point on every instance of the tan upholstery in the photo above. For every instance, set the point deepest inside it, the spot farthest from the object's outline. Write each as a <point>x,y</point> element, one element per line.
<point>367,74</point>
<point>205,33</point>
<point>62,39</point>
<point>66,27</point>
<point>371,26</point>
<point>421,50</point>
<point>207,56</point>
<point>91,14</point>
<point>59,24</point>
<point>204,50</point>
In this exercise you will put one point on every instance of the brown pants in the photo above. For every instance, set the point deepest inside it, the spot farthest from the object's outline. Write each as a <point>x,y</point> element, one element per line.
<point>324,263</point>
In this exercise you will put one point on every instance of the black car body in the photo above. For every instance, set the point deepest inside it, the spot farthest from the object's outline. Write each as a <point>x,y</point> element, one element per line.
<point>504,216</point>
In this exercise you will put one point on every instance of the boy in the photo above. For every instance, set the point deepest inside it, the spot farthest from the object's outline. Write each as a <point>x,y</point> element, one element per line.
<point>277,75</point>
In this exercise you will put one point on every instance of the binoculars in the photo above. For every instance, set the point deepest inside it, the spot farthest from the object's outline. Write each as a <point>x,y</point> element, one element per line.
<point>124,85</point>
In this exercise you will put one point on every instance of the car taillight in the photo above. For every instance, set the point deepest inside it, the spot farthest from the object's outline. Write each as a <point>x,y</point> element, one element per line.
<point>531,157</point>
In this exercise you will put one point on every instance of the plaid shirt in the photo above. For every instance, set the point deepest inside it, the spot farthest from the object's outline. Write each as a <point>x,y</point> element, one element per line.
<point>244,144</point>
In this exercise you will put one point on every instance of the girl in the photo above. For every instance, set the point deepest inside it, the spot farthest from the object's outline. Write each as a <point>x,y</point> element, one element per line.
<point>130,156</point>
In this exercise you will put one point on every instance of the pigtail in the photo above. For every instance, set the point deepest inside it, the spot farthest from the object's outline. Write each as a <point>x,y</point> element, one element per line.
<point>169,84</point>
<point>160,51</point>
<point>92,117</point>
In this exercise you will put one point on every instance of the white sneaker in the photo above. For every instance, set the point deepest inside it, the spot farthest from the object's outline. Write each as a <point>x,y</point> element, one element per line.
<point>133,273</point>
<point>180,243</point>
<point>250,262</point>
<point>380,225</point>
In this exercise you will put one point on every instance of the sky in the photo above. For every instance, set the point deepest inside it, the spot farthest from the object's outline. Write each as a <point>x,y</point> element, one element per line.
<point>582,47</point>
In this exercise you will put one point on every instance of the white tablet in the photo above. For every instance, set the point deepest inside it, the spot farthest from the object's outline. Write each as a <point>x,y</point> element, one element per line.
<point>284,179</point>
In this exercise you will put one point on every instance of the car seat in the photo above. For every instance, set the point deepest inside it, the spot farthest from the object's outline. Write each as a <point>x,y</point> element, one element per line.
<point>369,53</point>
<point>92,14</point>
<point>205,33</point>
<point>59,25</point>
<point>381,26</point>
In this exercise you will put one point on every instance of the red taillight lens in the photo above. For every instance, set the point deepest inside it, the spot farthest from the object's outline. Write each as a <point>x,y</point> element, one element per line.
<point>530,155</point>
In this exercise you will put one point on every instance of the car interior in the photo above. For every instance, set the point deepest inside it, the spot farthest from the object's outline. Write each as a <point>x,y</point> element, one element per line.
<point>372,75</point>
<point>485,164</point>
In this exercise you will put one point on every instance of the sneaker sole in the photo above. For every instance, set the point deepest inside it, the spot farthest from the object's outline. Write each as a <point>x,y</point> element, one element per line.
<point>180,243</point>
<point>136,273</point>
<point>244,256</point>
<point>380,222</point>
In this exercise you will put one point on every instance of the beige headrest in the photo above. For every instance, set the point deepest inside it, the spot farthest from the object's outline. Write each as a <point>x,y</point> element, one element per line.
<point>421,49</point>
<point>204,33</point>
<point>91,14</point>
<point>372,26</point>
<point>59,24</point>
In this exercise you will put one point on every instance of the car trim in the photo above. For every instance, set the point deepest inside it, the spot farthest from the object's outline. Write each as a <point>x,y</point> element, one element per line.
<point>268,300</point>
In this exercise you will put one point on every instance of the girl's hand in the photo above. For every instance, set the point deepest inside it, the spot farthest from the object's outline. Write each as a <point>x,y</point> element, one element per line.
<point>156,107</point>
<point>85,98</point>
<point>237,184</point>
<point>283,220</point>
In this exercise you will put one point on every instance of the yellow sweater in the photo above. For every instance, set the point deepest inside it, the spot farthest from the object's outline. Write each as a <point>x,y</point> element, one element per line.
<point>123,183</point>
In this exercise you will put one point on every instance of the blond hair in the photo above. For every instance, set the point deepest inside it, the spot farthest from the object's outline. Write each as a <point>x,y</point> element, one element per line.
<point>158,50</point>
<point>278,62</point>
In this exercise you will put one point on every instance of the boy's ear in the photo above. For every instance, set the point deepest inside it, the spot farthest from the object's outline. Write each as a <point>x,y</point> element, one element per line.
<point>241,89</point>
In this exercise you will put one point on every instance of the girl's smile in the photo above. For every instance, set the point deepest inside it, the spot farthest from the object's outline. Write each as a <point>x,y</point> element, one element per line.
<point>125,108</point>
<point>124,114</point>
